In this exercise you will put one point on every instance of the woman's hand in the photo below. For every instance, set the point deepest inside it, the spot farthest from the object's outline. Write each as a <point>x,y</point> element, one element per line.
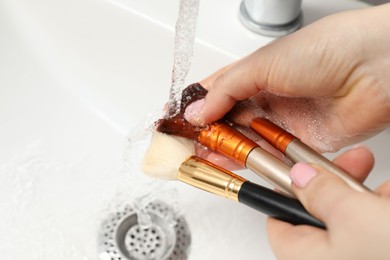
<point>328,83</point>
<point>358,225</point>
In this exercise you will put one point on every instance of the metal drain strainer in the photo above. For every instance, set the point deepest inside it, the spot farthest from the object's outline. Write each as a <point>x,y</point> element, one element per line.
<point>166,237</point>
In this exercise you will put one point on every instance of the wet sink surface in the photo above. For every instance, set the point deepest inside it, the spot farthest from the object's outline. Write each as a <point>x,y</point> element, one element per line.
<point>77,79</point>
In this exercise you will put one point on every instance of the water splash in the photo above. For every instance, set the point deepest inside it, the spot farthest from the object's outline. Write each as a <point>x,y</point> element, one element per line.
<point>142,190</point>
<point>28,217</point>
<point>184,41</point>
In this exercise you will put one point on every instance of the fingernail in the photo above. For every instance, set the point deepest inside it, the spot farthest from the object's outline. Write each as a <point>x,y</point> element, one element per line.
<point>301,174</point>
<point>193,113</point>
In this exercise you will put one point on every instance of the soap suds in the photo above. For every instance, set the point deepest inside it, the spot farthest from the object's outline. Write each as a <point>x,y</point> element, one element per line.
<point>304,117</point>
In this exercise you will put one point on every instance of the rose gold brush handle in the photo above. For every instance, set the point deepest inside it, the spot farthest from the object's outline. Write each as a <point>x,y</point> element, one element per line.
<point>297,151</point>
<point>271,169</point>
<point>234,145</point>
<point>300,152</point>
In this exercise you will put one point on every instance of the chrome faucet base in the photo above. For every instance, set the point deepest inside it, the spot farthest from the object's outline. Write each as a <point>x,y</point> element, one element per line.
<point>268,29</point>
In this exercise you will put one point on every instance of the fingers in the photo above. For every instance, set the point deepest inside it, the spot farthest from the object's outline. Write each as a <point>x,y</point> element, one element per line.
<point>197,114</point>
<point>288,241</point>
<point>349,215</point>
<point>234,82</point>
<point>323,194</point>
<point>208,81</point>
<point>384,189</point>
<point>284,68</point>
<point>320,191</point>
<point>358,162</point>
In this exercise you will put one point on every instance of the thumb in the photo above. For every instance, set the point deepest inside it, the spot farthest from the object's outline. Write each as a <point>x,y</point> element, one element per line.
<point>323,194</point>
<point>228,85</point>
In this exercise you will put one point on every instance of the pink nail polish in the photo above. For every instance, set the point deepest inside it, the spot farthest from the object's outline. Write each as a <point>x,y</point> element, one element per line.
<point>301,174</point>
<point>193,112</point>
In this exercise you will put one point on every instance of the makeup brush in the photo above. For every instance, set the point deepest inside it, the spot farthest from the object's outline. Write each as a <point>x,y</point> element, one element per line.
<point>298,151</point>
<point>221,137</point>
<point>228,141</point>
<point>171,157</point>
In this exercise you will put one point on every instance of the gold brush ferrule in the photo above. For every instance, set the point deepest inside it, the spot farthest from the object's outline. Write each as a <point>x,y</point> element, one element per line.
<point>228,141</point>
<point>207,176</point>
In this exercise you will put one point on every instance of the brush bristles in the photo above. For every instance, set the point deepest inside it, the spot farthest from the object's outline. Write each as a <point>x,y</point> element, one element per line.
<point>177,126</point>
<point>165,154</point>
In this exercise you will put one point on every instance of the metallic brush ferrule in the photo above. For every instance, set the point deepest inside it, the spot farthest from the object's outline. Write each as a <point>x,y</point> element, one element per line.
<point>228,141</point>
<point>204,175</point>
<point>275,135</point>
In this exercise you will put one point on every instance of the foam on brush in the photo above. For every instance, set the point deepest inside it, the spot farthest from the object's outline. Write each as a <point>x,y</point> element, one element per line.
<point>165,154</point>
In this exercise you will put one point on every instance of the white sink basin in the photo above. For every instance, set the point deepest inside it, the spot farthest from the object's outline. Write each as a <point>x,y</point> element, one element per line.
<point>76,77</point>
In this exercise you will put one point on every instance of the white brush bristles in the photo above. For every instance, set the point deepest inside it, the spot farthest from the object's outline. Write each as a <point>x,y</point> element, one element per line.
<point>165,154</point>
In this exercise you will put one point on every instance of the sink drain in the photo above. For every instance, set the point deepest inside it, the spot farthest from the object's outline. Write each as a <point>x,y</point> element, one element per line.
<point>165,237</point>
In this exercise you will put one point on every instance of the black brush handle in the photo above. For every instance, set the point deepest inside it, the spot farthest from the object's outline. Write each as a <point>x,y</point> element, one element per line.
<point>276,205</point>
